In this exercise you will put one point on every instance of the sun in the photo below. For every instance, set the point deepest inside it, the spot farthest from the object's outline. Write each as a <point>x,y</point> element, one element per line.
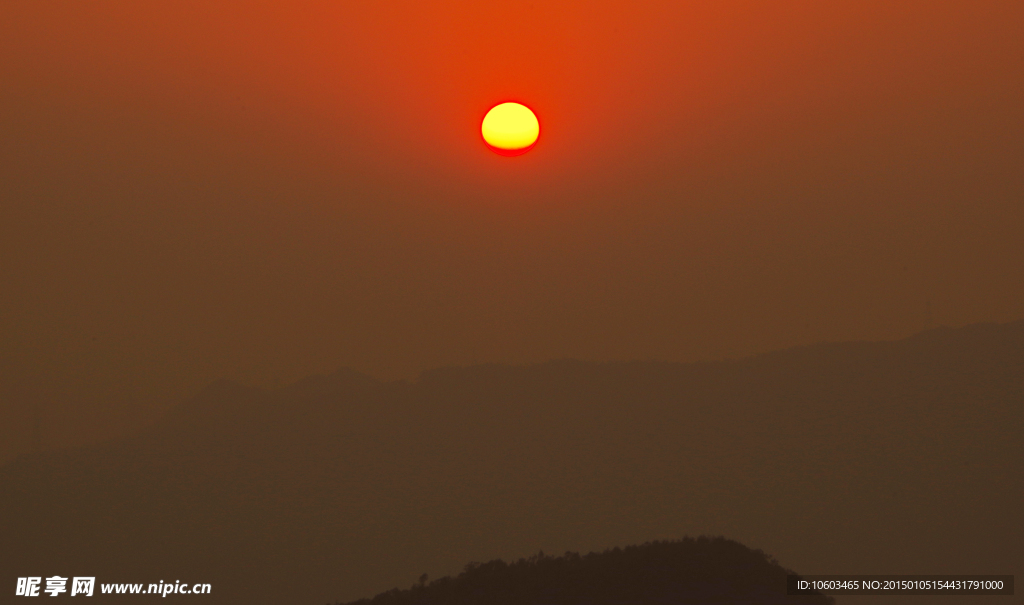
<point>510,129</point>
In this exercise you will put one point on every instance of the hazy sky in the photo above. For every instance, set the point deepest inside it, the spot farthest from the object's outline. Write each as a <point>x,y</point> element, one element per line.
<point>264,190</point>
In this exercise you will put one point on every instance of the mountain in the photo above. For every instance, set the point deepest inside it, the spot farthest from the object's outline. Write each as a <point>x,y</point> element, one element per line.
<point>703,570</point>
<point>891,457</point>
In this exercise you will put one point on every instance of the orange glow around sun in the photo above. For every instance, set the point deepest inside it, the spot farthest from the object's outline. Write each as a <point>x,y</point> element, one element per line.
<point>510,129</point>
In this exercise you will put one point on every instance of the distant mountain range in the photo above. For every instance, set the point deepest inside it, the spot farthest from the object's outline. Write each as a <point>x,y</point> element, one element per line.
<point>892,457</point>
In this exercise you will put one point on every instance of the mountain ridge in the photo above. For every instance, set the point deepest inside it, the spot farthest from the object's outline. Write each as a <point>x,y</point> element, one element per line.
<point>840,459</point>
<point>692,570</point>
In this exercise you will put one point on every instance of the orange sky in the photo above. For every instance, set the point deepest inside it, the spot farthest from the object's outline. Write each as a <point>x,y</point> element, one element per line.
<point>263,190</point>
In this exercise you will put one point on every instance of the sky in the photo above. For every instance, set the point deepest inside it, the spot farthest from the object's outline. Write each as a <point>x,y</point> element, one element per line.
<point>260,191</point>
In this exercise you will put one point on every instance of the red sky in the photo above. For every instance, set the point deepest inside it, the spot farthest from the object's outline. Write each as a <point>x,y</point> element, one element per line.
<point>264,190</point>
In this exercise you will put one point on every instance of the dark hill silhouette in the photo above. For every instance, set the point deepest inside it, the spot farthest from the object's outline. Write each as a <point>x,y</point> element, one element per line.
<point>893,457</point>
<point>699,571</point>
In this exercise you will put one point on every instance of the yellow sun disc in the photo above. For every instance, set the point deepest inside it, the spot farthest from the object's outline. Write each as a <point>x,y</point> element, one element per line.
<point>510,128</point>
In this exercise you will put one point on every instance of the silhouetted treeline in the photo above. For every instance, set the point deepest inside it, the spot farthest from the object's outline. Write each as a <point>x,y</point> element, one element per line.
<point>702,570</point>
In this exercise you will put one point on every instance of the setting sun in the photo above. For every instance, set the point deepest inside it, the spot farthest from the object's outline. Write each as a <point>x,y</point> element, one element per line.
<point>510,129</point>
